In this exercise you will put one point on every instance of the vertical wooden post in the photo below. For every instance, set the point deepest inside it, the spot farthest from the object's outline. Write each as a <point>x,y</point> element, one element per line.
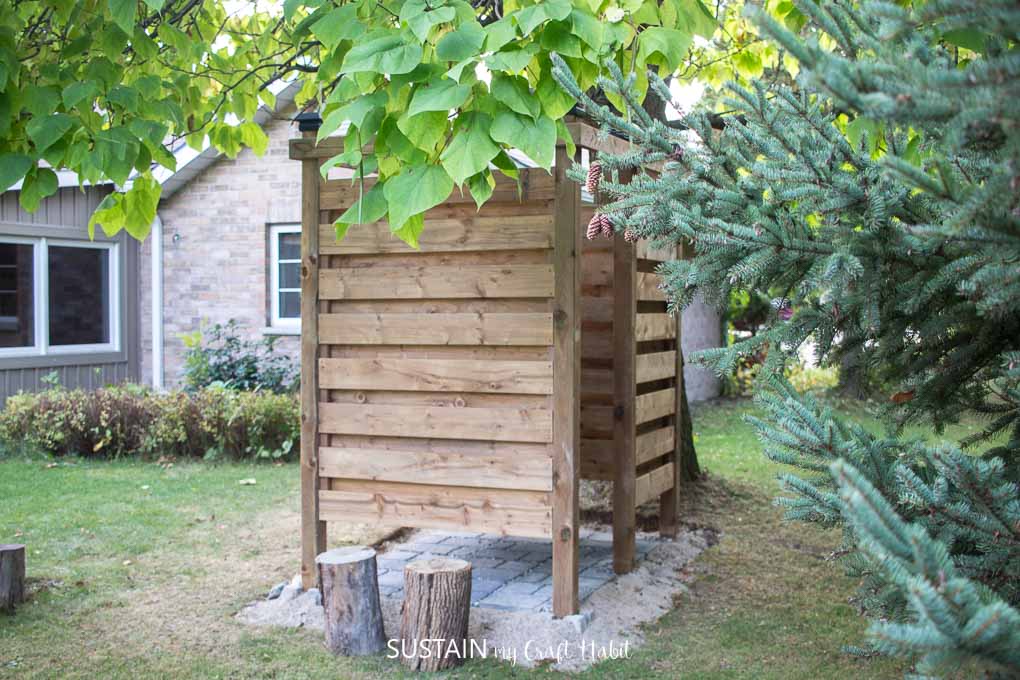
<point>313,532</point>
<point>624,401</point>
<point>566,388</point>
<point>669,502</point>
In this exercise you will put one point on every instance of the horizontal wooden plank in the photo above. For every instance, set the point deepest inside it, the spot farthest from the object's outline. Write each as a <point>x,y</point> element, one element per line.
<point>655,366</point>
<point>653,484</point>
<point>651,445</point>
<point>482,423</point>
<point>471,281</point>
<point>511,513</point>
<point>654,327</point>
<point>481,232</point>
<point>436,329</point>
<point>655,405</point>
<point>535,185</point>
<point>647,287</point>
<point>596,421</point>
<point>437,375</point>
<point>646,251</point>
<point>445,468</point>
<point>596,381</point>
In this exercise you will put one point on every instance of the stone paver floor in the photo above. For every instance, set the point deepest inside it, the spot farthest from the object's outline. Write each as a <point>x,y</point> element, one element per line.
<point>508,572</point>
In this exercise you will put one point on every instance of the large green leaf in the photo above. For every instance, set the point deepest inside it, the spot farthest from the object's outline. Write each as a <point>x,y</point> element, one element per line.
<point>690,16</point>
<point>425,130</point>
<point>13,167</point>
<point>500,33</point>
<point>514,60</point>
<point>536,138</point>
<point>514,92</point>
<point>462,43</point>
<point>37,186</point>
<point>340,24</point>
<point>411,230</point>
<point>481,187</point>
<point>371,207</point>
<point>388,54</point>
<point>45,131</point>
<point>413,191</point>
<point>556,102</point>
<point>471,148</point>
<point>530,18</point>
<point>588,28</point>
<point>421,15</point>
<point>441,94</point>
<point>664,47</point>
<point>355,112</point>
<point>123,13</point>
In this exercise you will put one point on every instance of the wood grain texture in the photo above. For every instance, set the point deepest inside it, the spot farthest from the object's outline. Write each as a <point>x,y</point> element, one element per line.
<point>628,412</point>
<point>655,366</point>
<point>313,531</point>
<point>438,375</point>
<point>654,327</point>
<point>430,467</point>
<point>436,329</point>
<point>437,282</point>
<point>648,287</point>
<point>12,576</point>
<point>498,511</point>
<point>350,601</point>
<point>655,405</point>
<point>651,445</point>
<point>646,251</point>
<point>653,484</point>
<point>499,424</point>
<point>566,386</point>
<point>437,605</point>
<point>483,232</point>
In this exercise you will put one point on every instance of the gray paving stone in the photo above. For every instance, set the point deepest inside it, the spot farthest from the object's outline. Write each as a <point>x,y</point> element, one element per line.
<point>483,562</point>
<point>392,578</point>
<point>501,598</point>
<point>398,554</point>
<point>496,574</point>
<point>517,568</point>
<point>533,576</point>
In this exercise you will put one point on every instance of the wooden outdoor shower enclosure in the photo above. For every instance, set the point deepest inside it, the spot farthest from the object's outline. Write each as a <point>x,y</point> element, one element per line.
<point>471,384</point>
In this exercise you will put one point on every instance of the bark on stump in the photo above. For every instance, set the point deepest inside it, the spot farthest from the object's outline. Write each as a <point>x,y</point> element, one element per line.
<point>350,597</point>
<point>12,576</point>
<point>437,603</point>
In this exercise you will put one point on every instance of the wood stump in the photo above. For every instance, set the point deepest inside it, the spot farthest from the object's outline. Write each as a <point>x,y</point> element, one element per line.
<point>350,597</point>
<point>437,604</point>
<point>12,576</point>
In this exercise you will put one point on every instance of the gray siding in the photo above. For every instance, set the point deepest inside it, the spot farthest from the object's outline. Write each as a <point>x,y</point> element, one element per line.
<point>66,215</point>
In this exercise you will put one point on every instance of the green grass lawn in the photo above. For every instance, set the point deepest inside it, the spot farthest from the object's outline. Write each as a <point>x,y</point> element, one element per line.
<point>137,569</point>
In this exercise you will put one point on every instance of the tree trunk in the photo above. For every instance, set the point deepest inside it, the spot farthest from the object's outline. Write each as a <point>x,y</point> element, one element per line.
<point>437,604</point>
<point>690,471</point>
<point>350,596</point>
<point>853,378</point>
<point>12,576</point>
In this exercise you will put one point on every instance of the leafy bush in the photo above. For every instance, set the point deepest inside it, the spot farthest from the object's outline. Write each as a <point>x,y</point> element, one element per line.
<point>220,356</point>
<point>130,420</point>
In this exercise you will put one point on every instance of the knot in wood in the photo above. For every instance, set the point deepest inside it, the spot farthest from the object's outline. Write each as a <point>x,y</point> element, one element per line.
<point>566,533</point>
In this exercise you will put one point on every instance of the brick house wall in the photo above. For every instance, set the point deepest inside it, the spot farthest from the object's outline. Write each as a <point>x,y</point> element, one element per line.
<point>216,248</point>
<point>216,254</point>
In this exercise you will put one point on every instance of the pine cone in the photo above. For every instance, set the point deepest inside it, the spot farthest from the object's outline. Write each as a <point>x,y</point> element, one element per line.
<point>594,227</point>
<point>607,225</point>
<point>594,177</point>
<point>629,236</point>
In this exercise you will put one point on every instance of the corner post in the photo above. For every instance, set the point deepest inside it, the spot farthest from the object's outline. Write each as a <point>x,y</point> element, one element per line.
<point>625,404</point>
<point>669,502</point>
<point>313,531</point>
<point>566,388</point>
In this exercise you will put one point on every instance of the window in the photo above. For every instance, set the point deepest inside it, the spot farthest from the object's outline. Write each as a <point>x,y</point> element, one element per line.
<point>57,297</point>
<point>285,275</point>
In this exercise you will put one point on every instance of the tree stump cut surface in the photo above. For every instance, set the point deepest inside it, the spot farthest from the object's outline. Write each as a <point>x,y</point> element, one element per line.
<point>12,576</point>
<point>350,597</point>
<point>437,604</point>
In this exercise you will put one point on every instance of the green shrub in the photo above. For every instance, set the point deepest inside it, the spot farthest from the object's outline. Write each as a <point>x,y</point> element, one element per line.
<point>130,420</point>
<point>218,355</point>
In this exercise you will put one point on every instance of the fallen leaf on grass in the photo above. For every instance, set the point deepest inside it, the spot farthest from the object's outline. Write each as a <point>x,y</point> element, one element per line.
<point>247,482</point>
<point>126,563</point>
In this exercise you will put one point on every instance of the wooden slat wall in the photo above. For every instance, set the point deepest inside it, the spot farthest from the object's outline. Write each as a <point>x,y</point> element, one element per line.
<point>435,366</point>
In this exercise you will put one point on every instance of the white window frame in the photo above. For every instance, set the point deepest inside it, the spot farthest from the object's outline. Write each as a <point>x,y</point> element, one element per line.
<point>41,298</point>
<point>275,320</point>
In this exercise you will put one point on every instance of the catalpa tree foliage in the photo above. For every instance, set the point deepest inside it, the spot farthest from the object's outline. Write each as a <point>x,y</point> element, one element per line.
<point>438,90</point>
